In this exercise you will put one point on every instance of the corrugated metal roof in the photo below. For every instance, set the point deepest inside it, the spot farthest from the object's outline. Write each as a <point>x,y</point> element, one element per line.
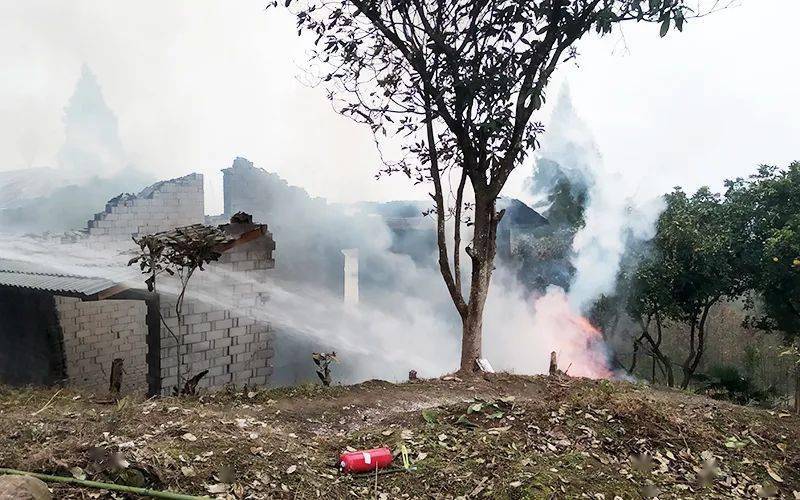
<point>27,275</point>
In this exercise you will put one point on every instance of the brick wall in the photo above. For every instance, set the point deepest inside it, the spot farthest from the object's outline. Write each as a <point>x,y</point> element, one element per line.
<point>221,333</point>
<point>96,332</point>
<point>160,207</point>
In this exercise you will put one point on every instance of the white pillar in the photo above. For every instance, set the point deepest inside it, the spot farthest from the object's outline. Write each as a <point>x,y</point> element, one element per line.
<point>350,276</point>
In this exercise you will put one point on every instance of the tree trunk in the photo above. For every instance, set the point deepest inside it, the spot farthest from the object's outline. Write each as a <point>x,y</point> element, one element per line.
<point>482,252</point>
<point>471,340</point>
<point>655,348</point>
<point>665,360</point>
<point>668,367</point>
<point>696,354</point>
<point>797,388</point>
<point>653,368</point>
<point>553,363</point>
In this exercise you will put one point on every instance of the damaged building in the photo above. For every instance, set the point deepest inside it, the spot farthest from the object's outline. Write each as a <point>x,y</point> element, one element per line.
<point>360,252</point>
<point>69,327</point>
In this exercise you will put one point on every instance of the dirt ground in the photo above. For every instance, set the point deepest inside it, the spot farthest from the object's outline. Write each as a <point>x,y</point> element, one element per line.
<point>507,437</point>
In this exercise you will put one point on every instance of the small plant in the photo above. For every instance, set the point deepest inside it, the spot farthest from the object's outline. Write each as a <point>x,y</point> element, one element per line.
<point>323,361</point>
<point>180,252</point>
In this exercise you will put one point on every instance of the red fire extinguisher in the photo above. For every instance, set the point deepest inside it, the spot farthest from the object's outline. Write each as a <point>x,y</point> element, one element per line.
<point>366,460</point>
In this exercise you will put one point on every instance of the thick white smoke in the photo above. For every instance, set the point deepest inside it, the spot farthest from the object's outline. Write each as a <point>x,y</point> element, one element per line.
<point>406,320</point>
<point>614,219</point>
<point>524,328</point>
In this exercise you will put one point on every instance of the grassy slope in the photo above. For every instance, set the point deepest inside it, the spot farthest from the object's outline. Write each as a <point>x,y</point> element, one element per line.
<point>557,438</point>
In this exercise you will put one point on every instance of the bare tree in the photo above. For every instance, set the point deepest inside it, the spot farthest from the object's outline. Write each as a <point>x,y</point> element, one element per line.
<point>459,83</point>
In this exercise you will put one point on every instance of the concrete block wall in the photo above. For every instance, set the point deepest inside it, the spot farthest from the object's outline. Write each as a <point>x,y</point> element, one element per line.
<point>160,207</point>
<point>225,337</point>
<point>247,261</point>
<point>234,348</point>
<point>96,332</point>
<point>224,332</point>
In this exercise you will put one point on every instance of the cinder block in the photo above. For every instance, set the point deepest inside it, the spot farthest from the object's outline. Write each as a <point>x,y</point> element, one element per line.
<point>203,346</point>
<point>222,342</point>
<point>200,327</point>
<point>242,377</point>
<point>217,335</point>
<point>193,337</point>
<point>221,361</point>
<point>221,380</point>
<point>217,315</point>
<point>238,367</point>
<point>244,339</point>
<point>245,357</point>
<point>191,319</point>
<point>215,353</point>
<point>245,321</point>
<point>237,349</point>
<point>222,324</point>
<point>198,366</point>
<point>195,357</point>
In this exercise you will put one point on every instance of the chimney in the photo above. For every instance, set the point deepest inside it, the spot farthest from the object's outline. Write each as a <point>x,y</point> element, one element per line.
<point>350,276</point>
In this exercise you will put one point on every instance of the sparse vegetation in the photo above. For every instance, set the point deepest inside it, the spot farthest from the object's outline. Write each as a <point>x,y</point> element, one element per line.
<point>511,437</point>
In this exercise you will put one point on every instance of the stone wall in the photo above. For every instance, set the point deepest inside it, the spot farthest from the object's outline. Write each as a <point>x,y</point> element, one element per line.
<point>160,207</point>
<point>96,332</point>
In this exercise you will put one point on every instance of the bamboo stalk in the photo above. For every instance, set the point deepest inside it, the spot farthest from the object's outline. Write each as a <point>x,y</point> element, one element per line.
<point>106,486</point>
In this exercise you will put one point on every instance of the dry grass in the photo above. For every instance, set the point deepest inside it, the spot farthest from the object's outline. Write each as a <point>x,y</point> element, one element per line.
<point>510,437</point>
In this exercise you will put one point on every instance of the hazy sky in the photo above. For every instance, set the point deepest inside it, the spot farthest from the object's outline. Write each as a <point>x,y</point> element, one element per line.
<point>195,83</point>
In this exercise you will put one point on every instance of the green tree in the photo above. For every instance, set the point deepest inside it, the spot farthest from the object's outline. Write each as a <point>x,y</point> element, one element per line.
<point>766,209</point>
<point>700,257</point>
<point>459,83</point>
<point>649,301</point>
<point>692,263</point>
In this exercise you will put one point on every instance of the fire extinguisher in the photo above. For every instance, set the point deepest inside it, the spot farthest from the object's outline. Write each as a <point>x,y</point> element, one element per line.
<point>366,460</point>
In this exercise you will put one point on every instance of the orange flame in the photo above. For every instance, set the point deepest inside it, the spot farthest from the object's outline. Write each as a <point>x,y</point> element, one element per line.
<point>578,344</point>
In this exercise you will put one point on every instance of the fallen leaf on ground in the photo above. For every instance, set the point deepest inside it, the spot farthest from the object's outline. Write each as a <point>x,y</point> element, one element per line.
<point>772,474</point>
<point>217,488</point>
<point>78,473</point>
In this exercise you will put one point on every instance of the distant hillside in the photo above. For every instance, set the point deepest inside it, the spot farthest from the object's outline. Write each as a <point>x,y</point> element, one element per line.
<point>17,187</point>
<point>48,199</point>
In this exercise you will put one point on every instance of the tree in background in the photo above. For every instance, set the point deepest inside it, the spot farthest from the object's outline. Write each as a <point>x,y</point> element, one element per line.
<point>459,83</point>
<point>766,210</point>
<point>546,259</point>
<point>692,264</point>
<point>698,256</point>
<point>648,299</point>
